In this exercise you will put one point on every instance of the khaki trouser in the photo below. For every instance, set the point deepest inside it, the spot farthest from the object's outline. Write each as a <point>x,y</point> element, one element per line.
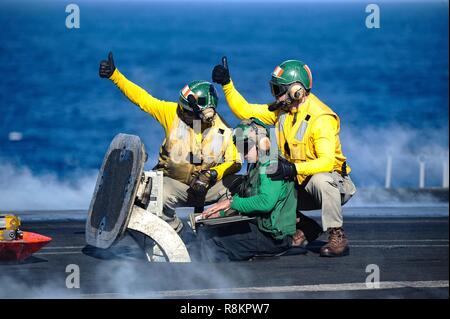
<point>177,194</point>
<point>329,192</point>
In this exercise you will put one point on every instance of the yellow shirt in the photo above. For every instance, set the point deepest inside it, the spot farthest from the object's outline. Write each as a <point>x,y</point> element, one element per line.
<point>165,112</point>
<point>322,150</point>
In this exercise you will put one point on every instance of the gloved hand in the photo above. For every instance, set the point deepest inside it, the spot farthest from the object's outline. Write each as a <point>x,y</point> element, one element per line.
<point>202,181</point>
<point>107,67</point>
<point>221,73</point>
<point>285,170</point>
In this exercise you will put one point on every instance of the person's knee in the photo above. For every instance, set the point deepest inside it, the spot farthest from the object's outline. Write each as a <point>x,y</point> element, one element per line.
<point>323,182</point>
<point>323,187</point>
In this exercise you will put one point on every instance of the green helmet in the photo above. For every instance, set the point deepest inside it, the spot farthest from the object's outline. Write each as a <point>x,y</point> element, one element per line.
<point>204,95</point>
<point>249,132</point>
<point>288,72</point>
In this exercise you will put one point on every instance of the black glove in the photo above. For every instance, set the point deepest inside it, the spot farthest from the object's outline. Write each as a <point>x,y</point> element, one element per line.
<point>202,181</point>
<point>221,73</point>
<point>284,170</point>
<point>107,67</point>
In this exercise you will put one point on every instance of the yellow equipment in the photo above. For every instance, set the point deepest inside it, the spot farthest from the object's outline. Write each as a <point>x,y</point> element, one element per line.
<point>9,228</point>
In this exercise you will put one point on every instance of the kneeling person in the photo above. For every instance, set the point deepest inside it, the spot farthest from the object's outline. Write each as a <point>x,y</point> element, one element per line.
<point>273,203</point>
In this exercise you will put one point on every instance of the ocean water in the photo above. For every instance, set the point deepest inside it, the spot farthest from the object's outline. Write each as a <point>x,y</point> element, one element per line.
<point>389,85</point>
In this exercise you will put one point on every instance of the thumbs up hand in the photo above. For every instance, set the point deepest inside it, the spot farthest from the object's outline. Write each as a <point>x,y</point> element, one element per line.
<point>107,67</point>
<point>221,73</point>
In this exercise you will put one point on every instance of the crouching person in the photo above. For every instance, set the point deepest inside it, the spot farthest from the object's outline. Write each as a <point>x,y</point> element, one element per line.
<point>197,157</point>
<point>272,203</point>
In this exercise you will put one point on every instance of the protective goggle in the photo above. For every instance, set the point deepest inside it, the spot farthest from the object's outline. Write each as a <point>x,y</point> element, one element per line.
<point>203,101</point>
<point>278,89</point>
<point>198,102</point>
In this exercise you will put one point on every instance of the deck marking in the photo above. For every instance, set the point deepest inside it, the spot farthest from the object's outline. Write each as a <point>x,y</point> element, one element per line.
<point>396,240</point>
<point>375,220</point>
<point>383,244</point>
<point>63,247</point>
<point>59,253</point>
<point>396,246</point>
<point>284,289</point>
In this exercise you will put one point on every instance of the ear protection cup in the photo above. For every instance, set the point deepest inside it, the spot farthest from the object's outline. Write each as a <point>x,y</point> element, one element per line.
<point>207,115</point>
<point>296,92</point>
<point>264,144</point>
<point>263,139</point>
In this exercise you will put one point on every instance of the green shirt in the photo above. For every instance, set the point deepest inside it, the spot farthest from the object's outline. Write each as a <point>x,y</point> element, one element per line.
<point>274,203</point>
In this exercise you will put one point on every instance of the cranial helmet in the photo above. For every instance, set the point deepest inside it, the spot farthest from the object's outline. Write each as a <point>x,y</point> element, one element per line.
<point>288,73</point>
<point>200,98</point>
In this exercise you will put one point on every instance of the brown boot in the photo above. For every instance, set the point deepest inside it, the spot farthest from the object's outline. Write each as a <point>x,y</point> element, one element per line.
<point>299,239</point>
<point>337,245</point>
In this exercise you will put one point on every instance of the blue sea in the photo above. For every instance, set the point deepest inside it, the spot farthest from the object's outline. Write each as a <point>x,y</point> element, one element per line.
<point>389,85</point>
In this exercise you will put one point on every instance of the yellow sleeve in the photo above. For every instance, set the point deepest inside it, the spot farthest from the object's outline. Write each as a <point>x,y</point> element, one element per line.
<point>164,112</point>
<point>324,131</point>
<point>244,110</point>
<point>232,163</point>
